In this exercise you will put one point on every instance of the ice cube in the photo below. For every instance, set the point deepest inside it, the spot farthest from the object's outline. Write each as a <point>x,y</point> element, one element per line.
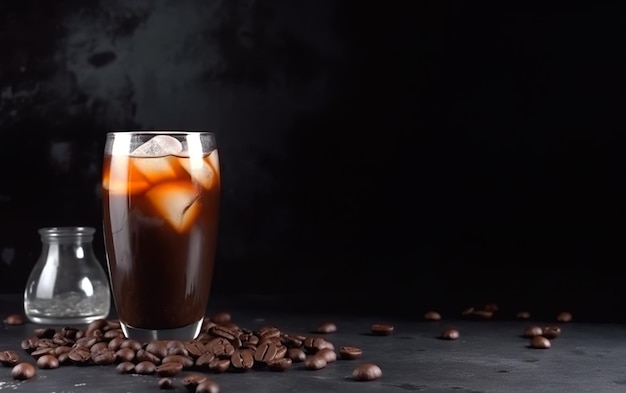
<point>214,160</point>
<point>156,169</point>
<point>199,170</point>
<point>158,146</point>
<point>177,203</point>
<point>122,178</point>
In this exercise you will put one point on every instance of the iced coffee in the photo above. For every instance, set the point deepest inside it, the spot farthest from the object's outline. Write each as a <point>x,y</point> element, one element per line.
<point>161,196</point>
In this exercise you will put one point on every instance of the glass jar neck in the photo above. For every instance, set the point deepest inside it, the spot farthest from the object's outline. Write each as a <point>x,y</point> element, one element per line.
<point>67,235</point>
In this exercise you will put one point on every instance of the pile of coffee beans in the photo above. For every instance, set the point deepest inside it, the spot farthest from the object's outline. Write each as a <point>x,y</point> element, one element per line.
<point>221,346</point>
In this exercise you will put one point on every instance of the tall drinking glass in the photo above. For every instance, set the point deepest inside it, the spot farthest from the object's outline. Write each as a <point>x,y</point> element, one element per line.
<point>161,196</point>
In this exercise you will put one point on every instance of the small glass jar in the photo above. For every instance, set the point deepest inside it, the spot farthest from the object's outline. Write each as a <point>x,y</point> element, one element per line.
<point>67,284</point>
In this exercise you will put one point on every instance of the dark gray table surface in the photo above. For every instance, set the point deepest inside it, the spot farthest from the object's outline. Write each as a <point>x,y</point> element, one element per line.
<point>490,356</point>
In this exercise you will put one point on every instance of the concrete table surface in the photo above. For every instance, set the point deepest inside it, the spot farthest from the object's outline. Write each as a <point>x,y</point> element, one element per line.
<point>490,356</point>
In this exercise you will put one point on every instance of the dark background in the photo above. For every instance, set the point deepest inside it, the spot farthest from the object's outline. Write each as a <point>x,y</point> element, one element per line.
<point>377,157</point>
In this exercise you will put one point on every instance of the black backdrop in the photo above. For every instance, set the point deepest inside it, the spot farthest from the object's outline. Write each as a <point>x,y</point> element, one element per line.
<point>381,158</point>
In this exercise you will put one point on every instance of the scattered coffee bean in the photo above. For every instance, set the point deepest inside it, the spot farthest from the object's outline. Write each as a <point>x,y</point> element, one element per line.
<point>192,381</point>
<point>208,386</point>
<point>564,317</point>
<point>381,329</point>
<point>47,362</point>
<point>328,354</point>
<point>168,369</point>
<point>22,371</point>
<point>450,334</point>
<point>14,319</point>
<point>9,358</point>
<point>125,367</point>
<point>296,354</point>
<point>551,332</point>
<point>349,352</point>
<point>219,365</point>
<point>221,318</point>
<point>432,316</point>
<point>523,315</point>
<point>145,368</point>
<point>366,372</point>
<point>532,331</point>
<point>166,383</point>
<point>281,364</point>
<point>540,342</point>
<point>326,327</point>
<point>485,314</point>
<point>467,311</point>
<point>315,362</point>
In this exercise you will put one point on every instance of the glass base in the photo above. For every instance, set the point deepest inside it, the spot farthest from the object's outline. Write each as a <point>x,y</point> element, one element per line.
<point>188,332</point>
<point>65,321</point>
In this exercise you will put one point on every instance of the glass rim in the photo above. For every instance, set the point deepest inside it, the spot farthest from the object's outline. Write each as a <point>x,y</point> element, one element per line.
<point>160,132</point>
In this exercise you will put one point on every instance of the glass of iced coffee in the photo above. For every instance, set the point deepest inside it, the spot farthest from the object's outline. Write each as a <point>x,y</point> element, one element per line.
<point>161,196</point>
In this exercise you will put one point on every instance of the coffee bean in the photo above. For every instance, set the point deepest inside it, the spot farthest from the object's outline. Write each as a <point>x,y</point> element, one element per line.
<point>467,311</point>
<point>382,329</point>
<point>79,355</point>
<point>145,368</point>
<point>540,342</point>
<point>103,357</point>
<point>266,352</point>
<point>169,369</point>
<point>313,344</point>
<point>242,360</point>
<point>176,347</point>
<point>61,349</point>
<point>219,365</point>
<point>523,315</point>
<point>125,355</point>
<point>22,371</point>
<point>166,383</point>
<point>326,327</point>
<point>296,354</point>
<point>432,316</point>
<point>194,348</point>
<point>95,326</point>
<point>157,348</point>
<point>191,381</point>
<point>97,347</point>
<point>43,351</point>
<point>328,354</point>
<point>268,331</point>
<point>47,362</point>
<point>221,317</point>
<point>484,314</point>
<point>281,364</point>
<point>144,356</point>
<point>223,331</point>
<point>14,320</point>
<point>551,332</point>
<point>125,367</point>
<point>186,361</point>
<point>315,362</point>
<point>208,386</point>
<point>349,352</point>
<point>450,334</point>
<point>366,372</point>
<point>564,317</point>
<point>532,331</point>
<point>44,332</point>
<point>9,358</point>
<point>205,359</point>
<point>132,344</point>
